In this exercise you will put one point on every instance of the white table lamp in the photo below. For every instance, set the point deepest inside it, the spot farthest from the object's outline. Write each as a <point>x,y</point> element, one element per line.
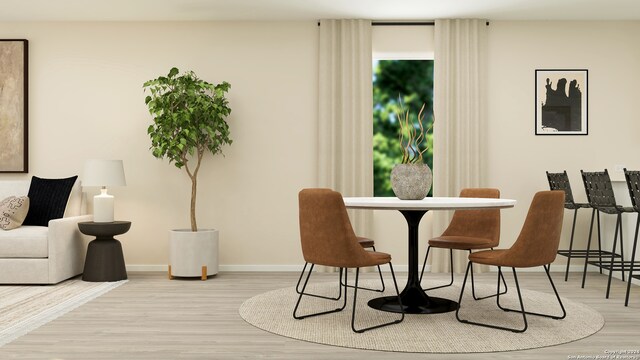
<point>103,173</point>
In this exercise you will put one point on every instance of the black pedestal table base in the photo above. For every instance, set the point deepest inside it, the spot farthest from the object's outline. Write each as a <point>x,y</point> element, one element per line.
<point>414,299</point>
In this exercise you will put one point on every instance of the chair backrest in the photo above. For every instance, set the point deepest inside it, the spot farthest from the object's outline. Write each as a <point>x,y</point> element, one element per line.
<point>597,185</point>
<point>539,238</point>
<point>477,223</point>
<point>633,182</point>
<point>560,181</point>
<point>326,235</point>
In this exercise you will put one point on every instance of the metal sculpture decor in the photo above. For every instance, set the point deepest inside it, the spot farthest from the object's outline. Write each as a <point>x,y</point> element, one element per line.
<point>561,102</point>
<point>13,106</point>
<point>413,139</point>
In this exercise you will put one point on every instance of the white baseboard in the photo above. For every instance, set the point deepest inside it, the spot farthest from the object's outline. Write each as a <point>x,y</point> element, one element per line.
<point>298,268</point>
<point>146,268</point>
<point>559,268</point>
<point>249,268</point>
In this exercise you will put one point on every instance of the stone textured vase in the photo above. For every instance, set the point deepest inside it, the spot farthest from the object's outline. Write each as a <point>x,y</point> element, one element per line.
<point>411,181</point>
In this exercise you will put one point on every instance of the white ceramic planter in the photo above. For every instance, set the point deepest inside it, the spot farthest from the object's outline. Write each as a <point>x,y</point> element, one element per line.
<point>193,253</point>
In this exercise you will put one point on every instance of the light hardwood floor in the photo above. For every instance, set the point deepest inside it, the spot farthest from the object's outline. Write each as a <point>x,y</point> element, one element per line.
<point>151,317</point>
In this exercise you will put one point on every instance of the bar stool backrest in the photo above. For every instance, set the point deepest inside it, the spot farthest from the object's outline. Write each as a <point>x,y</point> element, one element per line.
<point>560,181</point>
<point>597,185</point>
<point>633,182</point>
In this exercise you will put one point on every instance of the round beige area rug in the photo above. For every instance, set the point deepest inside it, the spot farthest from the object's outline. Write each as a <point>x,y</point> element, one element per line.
<point>433,333</point>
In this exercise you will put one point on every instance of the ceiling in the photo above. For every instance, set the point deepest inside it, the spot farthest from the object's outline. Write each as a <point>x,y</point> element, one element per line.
<point>305,10</point>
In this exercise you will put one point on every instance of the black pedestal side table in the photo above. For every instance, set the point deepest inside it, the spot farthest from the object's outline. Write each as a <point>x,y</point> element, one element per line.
<point>104,261</point>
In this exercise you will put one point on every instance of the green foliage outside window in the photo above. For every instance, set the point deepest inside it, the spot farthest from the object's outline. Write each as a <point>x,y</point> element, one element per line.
<point>411,81</point>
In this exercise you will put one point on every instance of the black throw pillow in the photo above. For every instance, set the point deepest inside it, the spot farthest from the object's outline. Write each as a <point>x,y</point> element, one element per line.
<point>48,199</point>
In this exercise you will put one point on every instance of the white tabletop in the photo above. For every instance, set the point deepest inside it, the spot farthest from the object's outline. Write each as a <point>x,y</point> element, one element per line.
<point>429,203</point>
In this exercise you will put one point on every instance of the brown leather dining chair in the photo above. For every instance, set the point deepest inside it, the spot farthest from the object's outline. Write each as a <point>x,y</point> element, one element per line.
<point>469,230</point>
<point>327,238</point>
<point>365,243</point>
<point>537,245</point>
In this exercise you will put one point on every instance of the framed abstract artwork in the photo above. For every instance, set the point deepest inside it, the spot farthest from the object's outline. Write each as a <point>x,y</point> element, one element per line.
<point>561,102</point>
<point>14,146</point>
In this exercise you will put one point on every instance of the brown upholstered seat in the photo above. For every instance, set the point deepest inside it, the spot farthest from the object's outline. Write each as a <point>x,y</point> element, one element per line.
<point>472,229</point>
<point>326,234</point>
<point>365,242</point>
<point>469,230</point>
<point>537,245</point>
<point>327,238</point>
<point>461,242</point>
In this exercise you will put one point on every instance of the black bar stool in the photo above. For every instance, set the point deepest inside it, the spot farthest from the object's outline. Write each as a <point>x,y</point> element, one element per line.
<point>633,182</point>
<point>600,194</point>
<point>560,181</point>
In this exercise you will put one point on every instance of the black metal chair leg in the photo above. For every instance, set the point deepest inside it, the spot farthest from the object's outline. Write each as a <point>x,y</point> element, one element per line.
<point>369,289</point>
<point>319,313</point>
<point>450,271</point>
<point>613,251</point>
<point>464,283</point>
<point>355,296</point>
<point>473,287</point>
<point>315,295</point>
<point>573,229</point>
<point>586,255</point>
<point>599,242</point>
<point>564,312</point>
<point>555,291</point>
<point>524,317</point>
<point>633,259</point>
<point>424,263</point>
<point>379,273</point>
<point>621,248</point>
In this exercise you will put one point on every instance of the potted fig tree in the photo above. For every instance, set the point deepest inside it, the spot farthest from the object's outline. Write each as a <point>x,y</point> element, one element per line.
<point>188,122</point>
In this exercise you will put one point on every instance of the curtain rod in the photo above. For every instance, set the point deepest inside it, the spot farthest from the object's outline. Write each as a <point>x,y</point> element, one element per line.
<point>400,23</point>
<point>403,23</point>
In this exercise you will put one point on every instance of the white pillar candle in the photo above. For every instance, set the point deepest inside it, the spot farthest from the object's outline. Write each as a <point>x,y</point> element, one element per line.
<point>103,207</point>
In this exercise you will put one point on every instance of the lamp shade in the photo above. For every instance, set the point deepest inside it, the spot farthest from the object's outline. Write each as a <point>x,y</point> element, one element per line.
<point>103,173</point>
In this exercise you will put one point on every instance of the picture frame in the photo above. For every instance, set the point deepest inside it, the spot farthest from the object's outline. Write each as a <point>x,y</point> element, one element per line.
<point>561,106</point>
<point>14,106</point>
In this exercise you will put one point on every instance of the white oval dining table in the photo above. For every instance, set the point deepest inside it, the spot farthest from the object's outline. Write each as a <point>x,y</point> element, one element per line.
<point>414,299</point>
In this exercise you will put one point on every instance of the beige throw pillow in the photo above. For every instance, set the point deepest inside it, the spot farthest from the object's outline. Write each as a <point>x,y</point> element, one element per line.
<point>13,211</point>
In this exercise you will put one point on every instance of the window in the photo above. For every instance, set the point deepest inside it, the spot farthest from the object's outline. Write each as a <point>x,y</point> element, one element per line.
<point>402,71</point>
<point>408,81</point>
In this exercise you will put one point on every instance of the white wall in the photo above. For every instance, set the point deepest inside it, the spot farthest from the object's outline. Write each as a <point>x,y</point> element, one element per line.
<point>517,159</point>
<point>86,101</point>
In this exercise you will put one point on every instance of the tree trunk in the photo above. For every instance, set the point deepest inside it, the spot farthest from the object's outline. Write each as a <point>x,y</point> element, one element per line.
<point>194,184</point>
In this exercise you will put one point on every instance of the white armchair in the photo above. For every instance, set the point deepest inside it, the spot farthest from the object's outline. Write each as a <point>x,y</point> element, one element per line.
<point>39,254</point>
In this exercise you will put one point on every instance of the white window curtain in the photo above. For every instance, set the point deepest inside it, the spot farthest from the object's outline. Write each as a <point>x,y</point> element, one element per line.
<point>460,120</point>
<point>345,130</point>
